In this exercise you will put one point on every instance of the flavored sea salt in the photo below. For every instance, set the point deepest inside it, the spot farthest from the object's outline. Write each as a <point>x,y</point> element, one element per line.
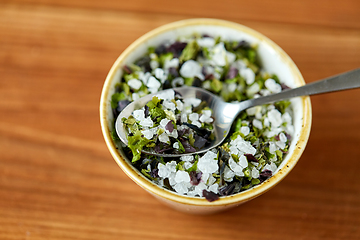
<point>259,138</point>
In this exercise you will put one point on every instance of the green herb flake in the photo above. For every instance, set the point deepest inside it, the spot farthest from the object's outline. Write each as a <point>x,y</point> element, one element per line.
<point>216,85</point>
<point>190,51</point>
<point>136,143</point>
<point>116,97</point>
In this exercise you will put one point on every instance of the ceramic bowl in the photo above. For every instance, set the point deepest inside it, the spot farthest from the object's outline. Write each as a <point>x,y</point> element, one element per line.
<point>273,60</point>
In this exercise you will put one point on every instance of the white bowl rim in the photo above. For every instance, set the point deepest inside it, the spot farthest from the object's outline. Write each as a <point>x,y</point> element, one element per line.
<point>153,188</point>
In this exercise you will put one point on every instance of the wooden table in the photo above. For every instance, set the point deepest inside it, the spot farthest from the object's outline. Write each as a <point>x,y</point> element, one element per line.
<point>57,178</point>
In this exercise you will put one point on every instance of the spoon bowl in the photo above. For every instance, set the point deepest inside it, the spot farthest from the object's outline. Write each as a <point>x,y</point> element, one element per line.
<point>225,113</point>
<point>222,124</point>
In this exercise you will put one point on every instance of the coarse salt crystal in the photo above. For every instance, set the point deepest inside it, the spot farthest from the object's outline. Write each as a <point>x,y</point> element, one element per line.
<point>258,115</point>
<point>272,147</point>
<point>245,130</point>
<point>145,77</point>
<point>211,180</point>
<point>207,163</point>
<point>257,123</point>
<point>254,173</point>
<point>153,83</point>
<point>166,95</point>
<point>187,158</point>
<point>179,105</point>
<point>253,89</point>
<point>199,188</point>
<point>166,170</point>
<point>239,64</point>
<point>214,188</point>
<point>169,105</point>
<point>205,177</point>
<point>196,123</point>
<point>173,63</point>
<point>243,145</point>
<point>274,117</point>
<point>218,54</point>
<point>134,84</point>
<point>176,145</point>
<point>183,117</point>
<point>272,167</point>
<point>146,122</point>
<point>230,57</point>
<point>228,174</point>
<point>164,138</point>
<point>252,111</point>
<point>171,178</point>
<point>191,69</point>
<point>163,172</point>
<point>160,74</point>
<point>231,87</point>
<point>249,76</point>
<point>265,92</point>
<point>234,150</point>
<point>164,122</point>
<point>179,81</point>
<point>286,117</point>
<point>243,162</point>
<point>206,116</point>
<point>187,165</point>
<point>282,137</point>
<point>206,42</point>
<point>272,86</point>
<point>135,96</point>
<point>154,64</point>
<point>147,134</point>
<point>139,114</point>
<point>172,166</point>
<point>280,144</point>
<point>182,176</point>
<point>234,166</point>
<point>192,101</point>
<point>173,134</point>
<point>181,188</point>
<point>194,116</point>
<point>153,90</point>
<point>266,122</point>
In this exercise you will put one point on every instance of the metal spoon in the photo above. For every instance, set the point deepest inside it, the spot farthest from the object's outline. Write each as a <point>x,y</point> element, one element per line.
<point>225,113</point>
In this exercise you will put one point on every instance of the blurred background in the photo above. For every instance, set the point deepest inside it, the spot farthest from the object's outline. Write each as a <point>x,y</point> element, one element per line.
<point>59,181</point>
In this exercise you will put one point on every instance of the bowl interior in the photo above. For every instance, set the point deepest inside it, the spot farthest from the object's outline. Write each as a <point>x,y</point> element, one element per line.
<point>273,60</point>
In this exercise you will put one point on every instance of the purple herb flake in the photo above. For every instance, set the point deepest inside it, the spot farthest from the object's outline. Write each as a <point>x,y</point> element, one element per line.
<point>265,175</point>
<point>173,72</point>
<point>183,131</point>
<point>232,73</point>
<point>250,157</point>
<point>169,126</point>
<point>122,104</point>
<point>199,142</point>
<point>227,190</point>
<point>284,86</point>
<point>188,148</point>
<point>288,136</point>
<point>242,44</point>
<point>160,49</point>
<point>195,177</point>
<point>277,137</point>
<point>147,111</point>
<point>176,48</point>
<point>127,69</point>
<point>154,173</point>
<point>210,196</point>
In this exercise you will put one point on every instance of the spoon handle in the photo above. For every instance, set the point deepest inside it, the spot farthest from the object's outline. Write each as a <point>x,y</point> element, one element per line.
<point>347,80</point>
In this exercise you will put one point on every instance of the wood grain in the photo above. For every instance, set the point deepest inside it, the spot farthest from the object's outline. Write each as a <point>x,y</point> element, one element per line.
<point>57,178</point>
